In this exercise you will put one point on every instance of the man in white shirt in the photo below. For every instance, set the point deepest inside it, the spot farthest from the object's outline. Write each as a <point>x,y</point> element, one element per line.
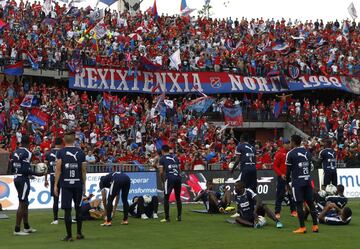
<point>93,137</point>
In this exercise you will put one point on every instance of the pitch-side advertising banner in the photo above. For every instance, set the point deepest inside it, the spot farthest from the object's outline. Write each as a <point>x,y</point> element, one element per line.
<point>350,178</point>
<point>141,183</point>
<point>120,80</point>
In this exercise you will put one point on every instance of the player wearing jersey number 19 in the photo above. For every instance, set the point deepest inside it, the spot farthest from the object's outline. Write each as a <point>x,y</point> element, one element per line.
<point>71,174</point>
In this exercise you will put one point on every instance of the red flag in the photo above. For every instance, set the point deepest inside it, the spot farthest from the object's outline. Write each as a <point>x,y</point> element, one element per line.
<point>40,114</point>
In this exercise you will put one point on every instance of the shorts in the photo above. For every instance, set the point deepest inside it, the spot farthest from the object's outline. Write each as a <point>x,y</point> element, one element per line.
<point>68,195</point>
<point>172,183</point>
<point>52,185</point>
<point>85,211</point>
<point>23,188</point>
<point>303,193</point>
<point>249,218</point>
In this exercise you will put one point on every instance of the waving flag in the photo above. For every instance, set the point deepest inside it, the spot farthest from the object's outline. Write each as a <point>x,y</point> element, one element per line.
<point>175,59</point>
<point>183,5</point>
<point>46,7</point>
<point>97,15</point>
<point>49,22</point>
<point>73,11</point>
<point>233,116</point>
<point>148,64</point>
<point>2,24</point>
<point>280,46</point>
<point>38,117</point>
<point>107,98</point>
<point>201,104</point>
<point>352,11</point>
<point>34,62</point>
<point>154,11</point>
<point>108,2</point>
<point>28,101</point>
<point>16,69</point>
<point>75,66</point>
<point>278,108</point>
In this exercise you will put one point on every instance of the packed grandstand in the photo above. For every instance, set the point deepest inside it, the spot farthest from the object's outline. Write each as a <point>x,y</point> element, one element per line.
<point>130,129</point>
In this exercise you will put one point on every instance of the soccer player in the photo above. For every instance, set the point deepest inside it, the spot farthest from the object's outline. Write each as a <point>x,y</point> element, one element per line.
<point>70,175</point>
<point>215,202</point>
<point>327,158</point>
<point>50,160</point>
<point>339,199</point>
<point>250,207</point>
<point>115,182</point>
<point>298,161</point>
<point>144,207</point>
<point>21,167</point>
<point>279,167</point>
<point>333,215</point>
<point>91,209</point>
<point>246,160</point>
<point>169,170</point>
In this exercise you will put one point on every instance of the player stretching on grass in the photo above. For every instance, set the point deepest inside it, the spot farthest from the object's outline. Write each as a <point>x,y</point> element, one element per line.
<point>169,167</point>
<point>298,161</point>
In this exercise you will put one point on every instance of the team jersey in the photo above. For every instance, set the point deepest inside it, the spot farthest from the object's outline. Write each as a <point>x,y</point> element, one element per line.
<point>340,201</point>
<point>246,203</point>
<point>107,180</point>
<point>51,158</point>
<point>172,166</point>
<point>21,159</point>
<point>333,218</point>
<point>328,158</point>
<point>298,162</point>
<point>247,155</point>
<point>71,167</point>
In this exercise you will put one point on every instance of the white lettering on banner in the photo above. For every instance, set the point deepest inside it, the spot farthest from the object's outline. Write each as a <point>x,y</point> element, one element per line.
<point>335,81</point>
<point>135,87</point>
<point>91,79</point>
<point>161,80</point>
<point>186,82</point>
<point>123,86</point>
<point>112,83</point>
<point>39,197</point>
<point>350,178</point>
<point>148,81</point>
<point>263,86</point>
<point>304,81</point>
<point>175,83</point>
<point>79,79</point>
<point>196,83</point>
<point>103,84</point>
<point>250,83</point>
<point>235,83</point>
<point>315,80</point>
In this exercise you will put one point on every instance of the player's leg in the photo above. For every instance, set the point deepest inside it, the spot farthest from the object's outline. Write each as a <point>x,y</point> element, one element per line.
<point>213,204</point>
<point>309,198</point>
<point>280,194</point>
<point>226,199</point>
<point>327,178</point>
<point>141,206</point>
<point>66,199</point>
<point>155,206</point>
<point>19,185</point>
<point>298,195</point>
<point>168,187</point>
<point>334,178</point>
<point>77,197</point>
<point>124,198</point>
<point>247,222</point>
<point>272,216</point>
<point>55,201</point>
<point>177,189</point>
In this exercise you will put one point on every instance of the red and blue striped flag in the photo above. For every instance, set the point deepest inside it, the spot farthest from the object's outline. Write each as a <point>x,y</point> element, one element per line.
<point>233,116</point>
<point>16,69</point>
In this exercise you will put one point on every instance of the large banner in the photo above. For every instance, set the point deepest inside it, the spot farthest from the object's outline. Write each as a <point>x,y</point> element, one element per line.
<point>350,178</point>
<point>121,80</point>
<point>141,183</point>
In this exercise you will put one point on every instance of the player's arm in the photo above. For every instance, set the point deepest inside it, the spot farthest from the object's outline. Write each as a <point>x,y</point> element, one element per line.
<point>83,170</point>
<point>57,176</point>
<point>257,205</point>
<point>200,195</point>
<point>326,209</point>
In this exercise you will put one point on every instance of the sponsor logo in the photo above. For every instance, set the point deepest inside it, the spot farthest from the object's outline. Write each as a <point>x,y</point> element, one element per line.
<point>5,191</point>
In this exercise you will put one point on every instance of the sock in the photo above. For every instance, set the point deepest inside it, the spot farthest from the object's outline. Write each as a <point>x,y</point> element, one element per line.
<point>300,211</point>
<point>26,226</point>
<point>17,229</point>
<point>68,221</point>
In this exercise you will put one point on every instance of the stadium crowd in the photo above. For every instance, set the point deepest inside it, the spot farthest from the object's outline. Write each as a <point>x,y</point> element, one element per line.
<point>131,129</point>
<point>249,47</point>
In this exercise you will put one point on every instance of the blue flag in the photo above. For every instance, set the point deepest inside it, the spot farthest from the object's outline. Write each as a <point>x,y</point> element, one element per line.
<point>200,104</point>
<point>108,2</point>
<point>16,69</point>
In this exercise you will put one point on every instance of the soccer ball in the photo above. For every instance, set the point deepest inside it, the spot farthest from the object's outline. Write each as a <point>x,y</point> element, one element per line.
<point>322,193</point>
<point>261,220</point>
<point>147,199</point>
<point>41,168</point>
<point>231,165</point>
<point>331,189</point>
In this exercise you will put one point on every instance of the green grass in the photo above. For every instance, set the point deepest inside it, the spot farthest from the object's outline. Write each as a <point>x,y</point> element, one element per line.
<point>195,231</point>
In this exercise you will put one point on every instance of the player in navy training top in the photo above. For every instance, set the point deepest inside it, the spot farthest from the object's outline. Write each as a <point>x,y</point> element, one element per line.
<point>333,215</point>
<point>20,161</point>
<point>115,182</point>
<point>70,173</point>
<point>249,207</point>
<point>327,158</point>
<point>246,160</point>
<point>169,167</point>
<point>50,160</point>
<point>298,161</point>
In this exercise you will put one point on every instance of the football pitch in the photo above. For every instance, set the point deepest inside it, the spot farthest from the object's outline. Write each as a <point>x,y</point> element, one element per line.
<point>195,231</point>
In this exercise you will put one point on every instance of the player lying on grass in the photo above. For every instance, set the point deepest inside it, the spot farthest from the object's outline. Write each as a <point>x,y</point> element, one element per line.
<point>333,215</point>
<point>321,197</point>
<point>215,202</point>
<point>250,207</point>
<point>92,209</point>
<point>144,207</point>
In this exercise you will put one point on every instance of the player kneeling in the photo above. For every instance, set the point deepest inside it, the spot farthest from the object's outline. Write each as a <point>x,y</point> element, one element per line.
<point>144,207</point>
<point>215,202</point>
<point>251,209</point>
<point>333,215</point>
<point>92,209</point>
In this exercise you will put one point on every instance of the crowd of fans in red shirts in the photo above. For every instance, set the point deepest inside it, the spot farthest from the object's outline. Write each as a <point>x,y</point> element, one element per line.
<point>249,47</point>
<point>131,131</point>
